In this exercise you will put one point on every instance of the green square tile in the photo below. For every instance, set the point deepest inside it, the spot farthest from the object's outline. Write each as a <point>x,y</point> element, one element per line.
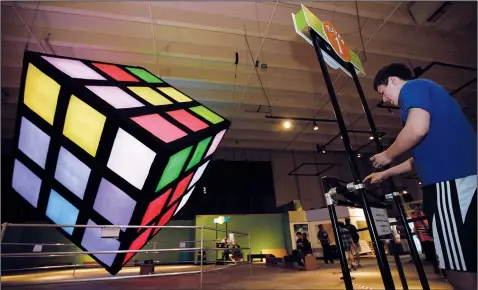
<point>144,75</point>
<point>207,114</point>
<point>174,167</point>
<point>199,152</point>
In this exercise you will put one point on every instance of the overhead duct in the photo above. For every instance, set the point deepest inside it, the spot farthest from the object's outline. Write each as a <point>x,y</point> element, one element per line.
<point>429,12</point>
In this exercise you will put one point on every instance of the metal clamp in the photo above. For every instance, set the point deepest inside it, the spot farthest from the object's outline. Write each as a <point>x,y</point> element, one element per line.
<point>391,195</point>
<point>329,196</point>
<point>353,187</point>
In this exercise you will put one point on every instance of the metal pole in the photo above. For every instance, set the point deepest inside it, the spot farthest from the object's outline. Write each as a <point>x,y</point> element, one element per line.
<point>414,253</point>
<point>338,240</point>
<point>216,253</point>
<point>201,257</point>
<point>380,254</point>
<point>250,253</point>
<point>398,262</point>
<point>154,248</point>
<point>76,262</point>
<point>4,228</point>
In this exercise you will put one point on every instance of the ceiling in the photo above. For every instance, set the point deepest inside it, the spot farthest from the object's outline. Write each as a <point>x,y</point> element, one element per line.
<point>192,45</point>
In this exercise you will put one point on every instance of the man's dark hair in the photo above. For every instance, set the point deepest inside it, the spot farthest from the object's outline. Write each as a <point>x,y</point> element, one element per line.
<point>347,220</point>
<point>398,70</point>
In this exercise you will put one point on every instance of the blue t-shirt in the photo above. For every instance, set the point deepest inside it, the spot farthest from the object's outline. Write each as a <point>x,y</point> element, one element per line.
<point>448,151</point>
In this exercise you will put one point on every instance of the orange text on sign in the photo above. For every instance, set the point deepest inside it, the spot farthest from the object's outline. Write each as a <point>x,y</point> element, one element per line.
<point>336,41</point>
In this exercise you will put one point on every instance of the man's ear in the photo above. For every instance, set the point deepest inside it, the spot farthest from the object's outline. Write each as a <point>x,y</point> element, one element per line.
<point>393,81</point>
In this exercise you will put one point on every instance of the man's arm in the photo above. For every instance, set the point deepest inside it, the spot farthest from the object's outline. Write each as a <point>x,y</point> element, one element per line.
<point>401,168</point>
<point>416,128</point>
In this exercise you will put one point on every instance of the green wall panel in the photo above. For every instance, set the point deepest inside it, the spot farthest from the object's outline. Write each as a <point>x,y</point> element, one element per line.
<point>267,231</point>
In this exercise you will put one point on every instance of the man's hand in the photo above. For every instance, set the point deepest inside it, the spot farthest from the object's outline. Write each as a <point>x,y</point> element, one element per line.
<point>376,177</point>
<point>380,160</point>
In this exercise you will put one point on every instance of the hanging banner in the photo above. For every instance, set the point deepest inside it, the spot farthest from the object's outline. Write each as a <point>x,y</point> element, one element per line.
<point>327,31</point>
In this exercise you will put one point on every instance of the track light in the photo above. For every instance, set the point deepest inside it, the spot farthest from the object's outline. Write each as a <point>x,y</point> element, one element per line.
<point>316,127</point>
<point>323,151</point>
<point>371,137</point>
<point>359,155</point>
<point>287,124</point>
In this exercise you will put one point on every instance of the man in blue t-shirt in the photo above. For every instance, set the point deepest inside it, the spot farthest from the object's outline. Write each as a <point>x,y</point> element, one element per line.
<point>443,145</point>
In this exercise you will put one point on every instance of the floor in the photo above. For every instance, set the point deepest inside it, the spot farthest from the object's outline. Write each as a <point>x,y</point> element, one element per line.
<point>237,277</point>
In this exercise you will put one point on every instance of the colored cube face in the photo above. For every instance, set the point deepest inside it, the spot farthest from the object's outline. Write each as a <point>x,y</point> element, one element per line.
<point>106,144</point>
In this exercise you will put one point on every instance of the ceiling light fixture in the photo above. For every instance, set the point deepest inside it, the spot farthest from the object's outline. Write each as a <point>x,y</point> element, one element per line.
<point>287,124</point>
<point>316,127</point>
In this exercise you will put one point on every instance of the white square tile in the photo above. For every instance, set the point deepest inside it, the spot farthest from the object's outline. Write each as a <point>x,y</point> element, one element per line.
<point>26,183</point>
<point>33,142</point>
<point>184,200</point>
<point>114,204</point>
<point>93,242</point>
<point>72,173</point>
<point>198,174</point>
<point>115,96</point>
<point>130,159</point>
<point>74,68</point>
<point>215,143</point>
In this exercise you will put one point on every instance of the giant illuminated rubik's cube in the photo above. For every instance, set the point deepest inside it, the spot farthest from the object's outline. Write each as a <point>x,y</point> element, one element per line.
<point>107,144</point>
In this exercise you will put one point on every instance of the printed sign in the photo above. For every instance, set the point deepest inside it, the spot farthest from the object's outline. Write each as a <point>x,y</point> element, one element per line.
<point>336,41</point>
<point>381,221</point>
<point>110,233</point>
<point>305,19</point>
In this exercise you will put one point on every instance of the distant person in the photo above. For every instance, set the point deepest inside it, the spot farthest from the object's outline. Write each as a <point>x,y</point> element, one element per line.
<point>347,244</point>
<point>355,237</point>
<point>235,253</point>
<point>299,243</point>
<point>443,144</point>
<point>307,245</point>
<point>324,240</point>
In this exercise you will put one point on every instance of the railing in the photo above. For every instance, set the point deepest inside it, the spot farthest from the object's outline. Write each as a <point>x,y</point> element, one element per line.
<point>201,249</point>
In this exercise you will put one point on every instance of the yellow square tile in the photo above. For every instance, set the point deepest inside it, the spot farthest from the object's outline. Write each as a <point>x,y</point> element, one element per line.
<point>175,94</point>
<point>41,93</point>
<point>150,96</point>
<point>83,125</point>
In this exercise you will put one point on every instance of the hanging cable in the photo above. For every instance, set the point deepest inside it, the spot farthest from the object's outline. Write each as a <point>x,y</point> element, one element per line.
<point>28,28</point>
<point>360,31</point>
<point>258,76</point>
<point>257,56</point>
<point>154,38</point>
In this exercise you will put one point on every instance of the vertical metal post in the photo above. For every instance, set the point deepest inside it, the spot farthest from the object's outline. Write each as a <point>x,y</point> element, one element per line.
<point>399,264</point>
<point>201,257</point>
<point>4,228</point>
<point>250,253</point>
<point>155,253</point>
<point>414,253</point>
<point>338,240</point>
<point>380,253</point>
<point>215,246</point>
<point>76,263</point>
